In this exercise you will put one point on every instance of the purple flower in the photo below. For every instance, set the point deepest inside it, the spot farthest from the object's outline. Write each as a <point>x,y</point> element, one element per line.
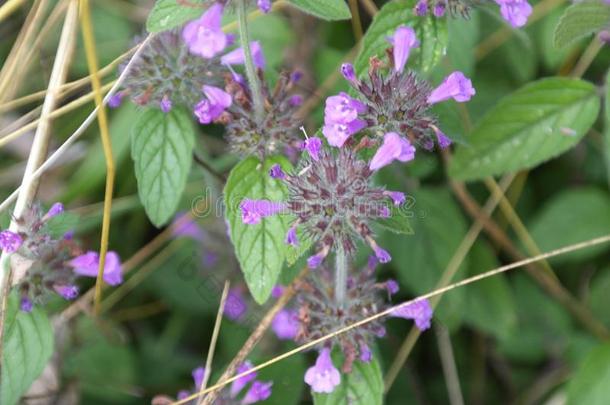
<point>10,241</point>
<point>382,255</point>
<point>252,211</point>
<point>365,353</point>
<point>207,110</point>
<point>315,260</point>
<point>198,376</point>
<point>295,100</point>
<point>372,263</point>
<point>323,376</point>
<point>421,8</point>
<point>439,9</point>
<point>26,304</point>
<point>291,236</point>
<point>285,324</point>
<point>264,5</point>
<point>241,382</point>
<point>342,109</point>
<point>165,104</point>
<point>277,291</point>
<point>393,148</point>
<point>336,134</point>
<point>396,196</point>
<point>404,40</point>
<point>441,138</point>
<point>116,100</point>
<point>516,12</point>
<point>88,264</point>
<point>236,306</point>
<point>276,172</point>
<point>347,70</point>
<point>67,291</point>
<point>185,226</point>
<point>56,209</point>
<point>313,146</point>
<point>259,391</point>
<point>204,36</point>
<point>237,56</point>
<point>391,286</point>
<point>420,311</point>
<point>455,86</point>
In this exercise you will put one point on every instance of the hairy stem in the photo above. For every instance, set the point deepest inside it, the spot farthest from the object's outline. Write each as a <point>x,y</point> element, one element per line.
<point>340,277</point>
<point>244,36</point>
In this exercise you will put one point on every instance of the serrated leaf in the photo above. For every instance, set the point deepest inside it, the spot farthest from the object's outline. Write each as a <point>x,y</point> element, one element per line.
<point>330,10</point>
<point>60,224</point>
<point>28,345</point>
<point>431,33</point>
<point>162,148</point>
<point>589,385</point>
<point>399,220</point>
<point>363,386</point>
<point>168,14</point>
<point>260,248</point>
<point>572,216</point>
<point>580,20</point>
<point>535,123</point>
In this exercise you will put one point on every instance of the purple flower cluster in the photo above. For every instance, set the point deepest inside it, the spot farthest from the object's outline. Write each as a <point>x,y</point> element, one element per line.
<point>393,109</point>
<point>53,264</point>
<point>515,12</point>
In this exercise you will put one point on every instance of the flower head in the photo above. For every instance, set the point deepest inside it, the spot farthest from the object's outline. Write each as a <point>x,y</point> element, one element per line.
<point>241,382</point>
<point>259,391</point>
<point>88,264</point>
<point>323,376</point>
<point>455,86</point>
<point>165,104</point>
<point>252,211</point>
<point>337,133</point>
<point>276,172</point>
<point>404,40</point>
<point>204,36</point>
<point>235,306</point>
<point>420,311</point>
<point>285,324</point>
<point>198,376</point>
<point>347,70</point>
<point>25,304</point>
<point>116,100</point>
<point>516,12</point>
<point>56,209</point>
<point>68,291</point>
<point>210,108</point>
<point>393,148</point>
<point>313,146</point>
<point>10,241</point>
<point>264,5</point>
<point>342,109</point>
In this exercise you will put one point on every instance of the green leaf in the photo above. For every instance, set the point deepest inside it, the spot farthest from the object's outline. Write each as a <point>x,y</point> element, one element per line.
<point>462,41</point>
<point>162,148</point>
<point>399,220</point>
<point>589,385</point>
<point>598,297</point>
<point>28,345</point>
<point>421,259</point>
<point>294,253</point>
<point>260,248</point>
<point>57,226</point>
<point>580,20</point>
<point>168,14</point>
<point>330,10</point>
<point>363,386</point>
<point>606,143</point>
<point>572,216</point>
<point>430,31</point>
<point>537,122</point>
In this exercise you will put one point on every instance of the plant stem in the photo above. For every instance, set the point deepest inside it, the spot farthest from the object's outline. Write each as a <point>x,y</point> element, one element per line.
<point>244,36</point>
<point>340,277</point>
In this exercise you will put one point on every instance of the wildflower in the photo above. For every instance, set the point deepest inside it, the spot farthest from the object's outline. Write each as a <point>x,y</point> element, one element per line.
<point>439,9</point>
<point>236,306</point>
<point>165,104</point>
<point>69,292</point>
<point>116,100</point>
<point>218,100</point>
<point>397,197</point>
<point>342,109</point>
<point>275,132</point>
<point>404,40</point>
<point>392,286</point>
<point>198,376</point>
<point>185,226</point>
<point>393,148</point>
<point>323,376</point>
<point>277,291</point>
<point>516,12</point>
<point>238,57</point>
<point>285,324</point>
<point>365,353</point>
<point>241,382</point>
<point>291,236</point>
<point>420,311</point>
<point>421,8</point>
<point>55,210</point>
<point>456,86</point>
<point>252,211</point>
<point>397,103</point>
<point>204,36</point>
<point>259,391</point>
<point>88,264</point>
<point>10,241</point>
<point>276,172</point>
<point>313,146</point>
<point>264,5</point>
<point>26,304</point>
